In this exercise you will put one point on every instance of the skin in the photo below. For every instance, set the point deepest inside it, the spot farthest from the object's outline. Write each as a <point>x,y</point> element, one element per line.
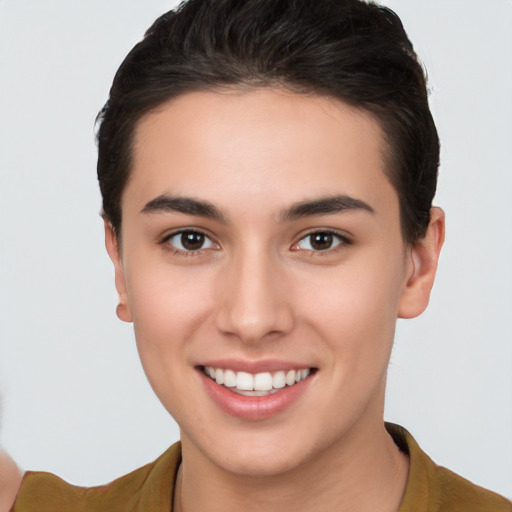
<point>10,480</point>
<point>258,291</point>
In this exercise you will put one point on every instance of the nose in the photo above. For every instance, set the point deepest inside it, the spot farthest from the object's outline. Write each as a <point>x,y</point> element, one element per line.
<point>255,303</point>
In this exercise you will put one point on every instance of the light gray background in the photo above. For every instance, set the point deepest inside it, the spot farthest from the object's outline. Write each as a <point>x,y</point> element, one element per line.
<point>75,400</point>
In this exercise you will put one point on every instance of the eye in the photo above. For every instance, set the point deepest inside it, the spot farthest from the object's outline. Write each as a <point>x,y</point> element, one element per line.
<point>190,241</point>
<point>320,241</point>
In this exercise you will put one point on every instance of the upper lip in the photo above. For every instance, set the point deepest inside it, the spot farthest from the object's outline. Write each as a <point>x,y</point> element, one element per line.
<point>260,366</point>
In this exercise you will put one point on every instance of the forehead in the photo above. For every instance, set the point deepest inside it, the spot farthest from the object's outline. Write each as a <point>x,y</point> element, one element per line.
<point>269,147</point>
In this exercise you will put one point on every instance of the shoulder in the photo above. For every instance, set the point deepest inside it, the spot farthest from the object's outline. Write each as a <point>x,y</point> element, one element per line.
<point>147,488</point>
<point>451,492</point>
<point>433,488</point>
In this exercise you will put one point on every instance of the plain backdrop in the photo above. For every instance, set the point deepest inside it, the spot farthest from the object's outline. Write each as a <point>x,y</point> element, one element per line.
<point>75,399</point>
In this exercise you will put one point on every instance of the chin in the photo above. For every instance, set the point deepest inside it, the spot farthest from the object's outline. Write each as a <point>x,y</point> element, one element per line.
<point>256,463</point>
<point>256,454</point>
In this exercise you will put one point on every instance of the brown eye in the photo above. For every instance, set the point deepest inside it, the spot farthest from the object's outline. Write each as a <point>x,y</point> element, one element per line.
<point>321,241</point>
<point>190,241</point>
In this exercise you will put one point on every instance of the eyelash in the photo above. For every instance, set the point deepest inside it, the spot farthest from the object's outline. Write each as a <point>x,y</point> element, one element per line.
<point>343,241</point>
<point>166,242</point>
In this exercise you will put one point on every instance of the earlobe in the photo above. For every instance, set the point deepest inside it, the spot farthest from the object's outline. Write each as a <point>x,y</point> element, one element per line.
<point>112,244</point>
<point>423,257</point>
<point>123,312</point>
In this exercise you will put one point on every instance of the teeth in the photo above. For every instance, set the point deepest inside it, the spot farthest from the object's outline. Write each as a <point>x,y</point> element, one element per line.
<point>263,382</point>
<point>230,379</point>
<point>279,380</point>
<point>219,376</point>
<point>260,383</point>
<point>290,377</point>
<point>244,381</point>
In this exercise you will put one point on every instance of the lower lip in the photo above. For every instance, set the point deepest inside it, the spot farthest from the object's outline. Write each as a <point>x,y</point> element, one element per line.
<point>253,407</point>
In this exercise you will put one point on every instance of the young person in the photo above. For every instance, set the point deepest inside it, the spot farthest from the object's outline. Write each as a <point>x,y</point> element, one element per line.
<point>267,170</point>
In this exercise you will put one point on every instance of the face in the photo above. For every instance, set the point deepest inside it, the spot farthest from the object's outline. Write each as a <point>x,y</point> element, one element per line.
<point>263,267</point>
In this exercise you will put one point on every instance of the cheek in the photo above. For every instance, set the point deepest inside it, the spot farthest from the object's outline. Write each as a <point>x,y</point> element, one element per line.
<point>355,317</point>
<point>165,319</point>
<point>167,297</point>
<point>355,308</point>
<point>168,306</point>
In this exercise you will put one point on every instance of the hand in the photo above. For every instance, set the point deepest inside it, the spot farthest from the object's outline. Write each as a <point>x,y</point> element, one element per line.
<point>10,480</point>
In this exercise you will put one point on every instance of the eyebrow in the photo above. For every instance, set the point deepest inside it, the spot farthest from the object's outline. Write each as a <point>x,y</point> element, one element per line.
<point>320,206</point>
<point>325,205</point>
<point>187,205</point>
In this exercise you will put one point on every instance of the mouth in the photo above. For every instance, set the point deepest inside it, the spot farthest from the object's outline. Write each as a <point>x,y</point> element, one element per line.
<point>256,384</point>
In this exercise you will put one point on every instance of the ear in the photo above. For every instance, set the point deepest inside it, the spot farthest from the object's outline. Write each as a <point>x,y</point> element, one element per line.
<point>423,257</point>
<point>112,244</point>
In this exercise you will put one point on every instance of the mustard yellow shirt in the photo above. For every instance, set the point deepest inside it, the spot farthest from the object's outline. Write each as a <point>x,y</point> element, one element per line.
<point>430,488</point>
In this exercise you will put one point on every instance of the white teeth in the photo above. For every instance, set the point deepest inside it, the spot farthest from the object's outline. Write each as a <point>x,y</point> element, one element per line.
<point>260,383</point>
<point>278,380</point>
<point>230,379</point>
<point>290,377</point>
<point>244,381</point>
<point>263,382</point>
<point>219,376</point>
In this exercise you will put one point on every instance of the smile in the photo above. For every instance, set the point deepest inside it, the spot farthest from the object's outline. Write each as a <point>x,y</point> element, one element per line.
<point>257,384</point>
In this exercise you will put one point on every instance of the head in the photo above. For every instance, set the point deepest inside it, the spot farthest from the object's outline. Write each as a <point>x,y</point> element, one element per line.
<point>267,170</point>
<point>355,52</point>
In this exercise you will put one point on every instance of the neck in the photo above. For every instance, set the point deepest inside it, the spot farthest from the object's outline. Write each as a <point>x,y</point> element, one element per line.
<point>363,472</point>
